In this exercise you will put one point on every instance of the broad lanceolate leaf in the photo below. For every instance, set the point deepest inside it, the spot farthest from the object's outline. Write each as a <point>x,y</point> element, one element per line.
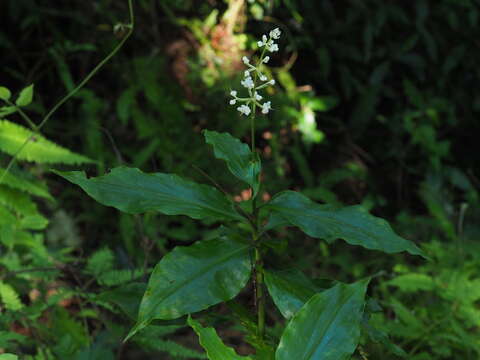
<point>213,345</point>
<point>38,149</point>
<point>192,278</point>
<point>327,327</point>
<point>240,160</point>
<point>290,290</point>
<point>352,224</point>
<point>25,97</point>
<point>132,191</point>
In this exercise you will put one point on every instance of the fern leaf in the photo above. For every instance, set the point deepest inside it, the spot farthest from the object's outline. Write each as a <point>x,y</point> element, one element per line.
<point>8,336</point>
<point>118,277</point>
<point>33,222</point>
<point>169,347</point>
<point>16,182</point>
<point>17,201</point>
<point>10,297</point>
<point>38,149</point>
<point>6,216</point>
<point>100,262</point>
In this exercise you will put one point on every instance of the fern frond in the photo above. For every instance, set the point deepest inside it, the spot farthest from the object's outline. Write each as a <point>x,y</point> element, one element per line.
<point>6,216</point>
<point>10,336</point>
<point>118,277</point>
<point>39,149</point>
<point>33,222</point>
<point>169,347</point>
<point>10,297</point>
<point>16,182</point>
<point>17,201</point>
<point>100,262</point>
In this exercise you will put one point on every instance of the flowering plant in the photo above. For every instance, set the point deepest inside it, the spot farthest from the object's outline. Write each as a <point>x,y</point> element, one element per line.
<point>322,321</point>
<point>250,83</point>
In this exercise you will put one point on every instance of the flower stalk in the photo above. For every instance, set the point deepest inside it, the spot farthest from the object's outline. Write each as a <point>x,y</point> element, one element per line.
<point>248,106</point>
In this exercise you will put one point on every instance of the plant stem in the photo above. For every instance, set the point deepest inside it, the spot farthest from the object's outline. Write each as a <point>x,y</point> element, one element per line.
<point>100,65</point>
<point>37,128</point>
<point>259,294</point>
<point>252,129</point>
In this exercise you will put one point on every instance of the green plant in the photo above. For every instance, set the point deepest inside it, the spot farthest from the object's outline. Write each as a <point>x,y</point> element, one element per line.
<point>435,307</point>
<point>324,318</point>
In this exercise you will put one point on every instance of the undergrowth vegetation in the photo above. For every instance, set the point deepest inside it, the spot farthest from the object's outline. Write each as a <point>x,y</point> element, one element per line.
<point>372,114</point>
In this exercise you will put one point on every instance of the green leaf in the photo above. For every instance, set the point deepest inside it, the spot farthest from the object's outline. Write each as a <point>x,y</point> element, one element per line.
<point>100,262</point>
<point>290,290</point>
<point>38,149</point>
<point>413,282</point>
<point>327,327</point>
<point>5,94</point>
<point>9,297</point>
<point>213,345</point>
<point>381,337</point>
<point>192,278</point>
<point>33,222</point>
<point>240,160</point>
<point>19,183</point>
<point>7,110</point>
<point>353,223</point>
<point>17,201</point>
<point>8,357</point>
<point>8,336</point>
<point>25,97</point>
<point>127,297</point>
<point>132,191</point>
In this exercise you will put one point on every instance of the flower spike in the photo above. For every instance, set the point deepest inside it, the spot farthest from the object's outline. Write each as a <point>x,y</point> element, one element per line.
<point>253,73</point>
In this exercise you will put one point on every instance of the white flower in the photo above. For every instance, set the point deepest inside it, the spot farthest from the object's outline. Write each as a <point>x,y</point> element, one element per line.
<point>266,107</point>
<point>248,83</point>
<point>255,83</point>
<point>275,33</point>
<point>272,47</point>
<point>263,42</point>
<point>244,109</point>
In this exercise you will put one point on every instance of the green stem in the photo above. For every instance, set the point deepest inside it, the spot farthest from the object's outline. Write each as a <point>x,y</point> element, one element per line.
<point>24,116</point>
<point>96,69</point>
<point>259,295</point>
<point>74,91</point>
<point>252,127</point>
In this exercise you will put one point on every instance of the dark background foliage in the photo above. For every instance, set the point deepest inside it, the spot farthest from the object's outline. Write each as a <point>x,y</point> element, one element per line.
<point>391,88</point>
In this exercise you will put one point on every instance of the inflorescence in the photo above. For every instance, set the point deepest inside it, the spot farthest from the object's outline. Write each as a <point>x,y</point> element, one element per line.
<point>253,74</point>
